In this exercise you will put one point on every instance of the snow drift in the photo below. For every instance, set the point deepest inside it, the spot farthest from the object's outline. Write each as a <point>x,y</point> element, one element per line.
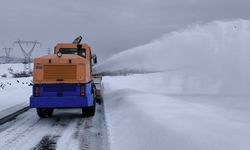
<point>211,55</point>
<point>139,118</point>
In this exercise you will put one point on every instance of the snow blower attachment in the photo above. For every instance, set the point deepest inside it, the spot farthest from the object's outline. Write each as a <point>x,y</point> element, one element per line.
<point>64,80</point>
<point>77,40</point>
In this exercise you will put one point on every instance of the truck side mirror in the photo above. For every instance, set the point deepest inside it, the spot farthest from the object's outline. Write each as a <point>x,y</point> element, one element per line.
<point>94,57</point>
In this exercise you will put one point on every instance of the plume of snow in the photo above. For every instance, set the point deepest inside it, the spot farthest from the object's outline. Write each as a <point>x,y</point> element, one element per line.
<point>214,53</point>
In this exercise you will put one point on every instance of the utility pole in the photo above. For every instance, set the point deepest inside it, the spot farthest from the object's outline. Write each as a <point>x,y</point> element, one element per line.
<point>27,54</point>
<point>7,53</point>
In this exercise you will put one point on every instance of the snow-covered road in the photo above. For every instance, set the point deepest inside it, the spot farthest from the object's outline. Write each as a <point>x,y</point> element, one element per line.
<point>67,129</point>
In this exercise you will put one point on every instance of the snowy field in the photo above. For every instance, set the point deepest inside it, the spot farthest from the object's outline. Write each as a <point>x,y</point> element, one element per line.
<point>13,91</point>
<point>141,116</point>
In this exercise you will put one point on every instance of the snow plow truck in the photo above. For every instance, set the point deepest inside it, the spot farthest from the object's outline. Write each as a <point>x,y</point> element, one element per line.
<point>64,80</point>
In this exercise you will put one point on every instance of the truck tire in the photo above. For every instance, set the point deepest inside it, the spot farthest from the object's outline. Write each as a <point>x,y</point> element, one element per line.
<point>89,111</point>
<point>44,112</point>
<point>97,100</point>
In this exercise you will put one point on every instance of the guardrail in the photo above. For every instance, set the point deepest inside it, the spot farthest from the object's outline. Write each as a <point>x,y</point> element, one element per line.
<point>13,115</point>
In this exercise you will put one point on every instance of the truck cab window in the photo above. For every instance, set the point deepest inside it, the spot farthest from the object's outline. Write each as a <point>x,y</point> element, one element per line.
<point>81,52</point>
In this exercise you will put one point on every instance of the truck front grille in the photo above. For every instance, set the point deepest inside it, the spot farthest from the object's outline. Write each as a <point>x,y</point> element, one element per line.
<point>60,72</point>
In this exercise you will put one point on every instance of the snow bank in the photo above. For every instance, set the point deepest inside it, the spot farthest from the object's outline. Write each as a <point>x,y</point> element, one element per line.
<point>140,116</point>
<point>213,54</point>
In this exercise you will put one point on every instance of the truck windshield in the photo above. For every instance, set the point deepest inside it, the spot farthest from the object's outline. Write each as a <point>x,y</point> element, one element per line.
<point>81,52</point>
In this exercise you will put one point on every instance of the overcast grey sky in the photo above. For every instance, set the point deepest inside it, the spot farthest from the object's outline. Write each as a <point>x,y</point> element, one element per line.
<point>109,26</point>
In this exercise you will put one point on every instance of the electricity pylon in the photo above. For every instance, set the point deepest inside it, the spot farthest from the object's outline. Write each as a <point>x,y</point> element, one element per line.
<point>7,53</point>
<point>27,54</point>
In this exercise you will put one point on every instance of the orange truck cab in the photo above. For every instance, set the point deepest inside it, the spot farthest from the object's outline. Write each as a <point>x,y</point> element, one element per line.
<point>63,80</point>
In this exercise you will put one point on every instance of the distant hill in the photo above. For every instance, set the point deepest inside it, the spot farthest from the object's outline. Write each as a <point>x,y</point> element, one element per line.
<point>12,60</point>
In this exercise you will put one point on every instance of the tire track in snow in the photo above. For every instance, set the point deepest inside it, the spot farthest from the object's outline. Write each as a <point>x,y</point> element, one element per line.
<point>93,135</point>
<point>47,143</point>
<point>15,133</point>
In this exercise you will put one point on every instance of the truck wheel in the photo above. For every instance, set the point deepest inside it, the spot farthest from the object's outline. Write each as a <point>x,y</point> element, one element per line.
<point>97,100</point>
<point>44,112</point>
<point>89,111</point>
